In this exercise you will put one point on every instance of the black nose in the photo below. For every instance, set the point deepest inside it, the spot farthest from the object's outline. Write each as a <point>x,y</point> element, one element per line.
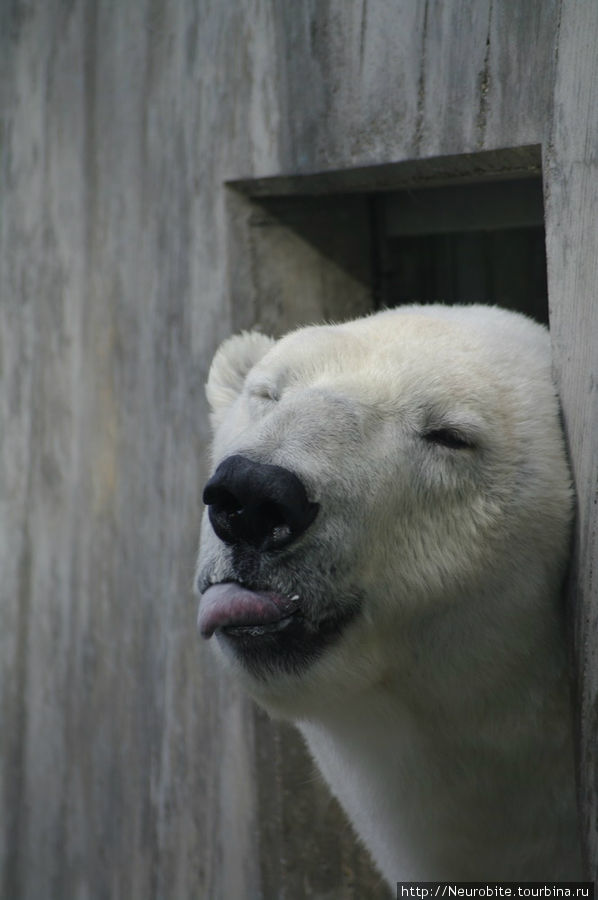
<point>257,504</point>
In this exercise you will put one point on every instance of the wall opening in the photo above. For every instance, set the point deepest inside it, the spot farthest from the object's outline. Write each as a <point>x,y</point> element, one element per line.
<point>333,245</point>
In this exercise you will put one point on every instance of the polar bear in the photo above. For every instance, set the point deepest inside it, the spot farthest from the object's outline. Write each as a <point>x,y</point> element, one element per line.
<point>381,562</point>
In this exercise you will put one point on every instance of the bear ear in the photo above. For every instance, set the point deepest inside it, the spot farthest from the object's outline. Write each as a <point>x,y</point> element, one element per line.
<point>233,360</point>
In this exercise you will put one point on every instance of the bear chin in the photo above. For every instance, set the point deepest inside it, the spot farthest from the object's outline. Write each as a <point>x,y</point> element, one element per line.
<point>280,637</point>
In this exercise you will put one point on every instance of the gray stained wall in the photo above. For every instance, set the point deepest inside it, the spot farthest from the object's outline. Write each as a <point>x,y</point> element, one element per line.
<point>129,768</point>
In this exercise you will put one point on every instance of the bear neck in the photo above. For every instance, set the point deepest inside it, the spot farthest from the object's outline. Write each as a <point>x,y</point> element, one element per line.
<point>451,764</point>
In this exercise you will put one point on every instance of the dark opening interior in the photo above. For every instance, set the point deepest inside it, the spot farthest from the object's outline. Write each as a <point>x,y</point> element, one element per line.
<point>463,244</point>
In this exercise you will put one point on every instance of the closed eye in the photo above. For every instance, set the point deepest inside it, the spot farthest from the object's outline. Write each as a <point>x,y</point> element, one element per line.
<point>448,437</point>
<point>265,392</point>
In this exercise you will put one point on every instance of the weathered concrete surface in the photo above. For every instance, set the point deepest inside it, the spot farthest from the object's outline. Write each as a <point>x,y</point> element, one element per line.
<point>129,767</point>
<point>120,777</point>
<point>572,250</point>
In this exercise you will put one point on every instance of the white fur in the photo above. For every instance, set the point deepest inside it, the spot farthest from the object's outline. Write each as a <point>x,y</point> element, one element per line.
<point>440,718</point>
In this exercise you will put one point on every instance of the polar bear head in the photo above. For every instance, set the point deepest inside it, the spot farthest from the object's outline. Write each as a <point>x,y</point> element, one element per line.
<point>374,477</point>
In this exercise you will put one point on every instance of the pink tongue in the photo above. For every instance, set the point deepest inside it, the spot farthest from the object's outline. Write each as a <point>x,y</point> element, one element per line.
<point>229,604</point>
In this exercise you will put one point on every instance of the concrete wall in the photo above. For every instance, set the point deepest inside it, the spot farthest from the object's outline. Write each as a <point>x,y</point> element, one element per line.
<point>129,767</point>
